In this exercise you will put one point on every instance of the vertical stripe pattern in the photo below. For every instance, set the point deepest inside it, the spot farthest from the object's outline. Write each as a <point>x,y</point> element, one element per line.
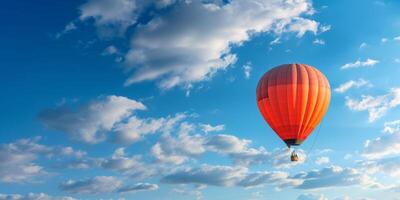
<point>293,98</point>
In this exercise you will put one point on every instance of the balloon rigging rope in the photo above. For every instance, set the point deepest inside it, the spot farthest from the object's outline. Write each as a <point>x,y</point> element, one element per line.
<point>316,137</point>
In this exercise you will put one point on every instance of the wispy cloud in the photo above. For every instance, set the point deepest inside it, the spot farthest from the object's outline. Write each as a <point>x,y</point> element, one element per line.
<point>160,49</point>
<point>352,84</point>
<point>228,176</point>
<point>363,45</point>
<point>209,128</point>
<point>367,63</point>
<point>324,28</point>
<point>311,197</point>
<point>319,41</point>
<point>376,106</point>
<point>322,160</point>
<point>103,185</point>
<point>33,196</point>
<point>247,70</point>
<point>334,176</point>
<point>275,41</point>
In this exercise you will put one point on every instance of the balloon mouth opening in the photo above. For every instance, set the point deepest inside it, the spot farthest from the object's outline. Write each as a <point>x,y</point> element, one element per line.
<point>293,142</point>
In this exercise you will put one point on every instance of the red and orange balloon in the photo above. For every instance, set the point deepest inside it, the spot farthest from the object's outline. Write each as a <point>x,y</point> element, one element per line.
<point>293,98</point>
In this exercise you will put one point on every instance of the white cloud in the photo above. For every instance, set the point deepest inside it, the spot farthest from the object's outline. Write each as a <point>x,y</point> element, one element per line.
<point>363,45</point>
<point>167,48</point>
<point>33,196</point>
<point>324,28</point>
<point>91,121</point>
<point>352,84</point>
<point>110,17</point>
<point>319,41</point>
<point>136,128</point>
<point>178,150</point>
<point>247,70</point>
<point>311,197</point>
<point>186,146</point>
<point>209,128</point>
<point>103,185</point>
<point>68,28</point>
<point>170,50</point>
<point>226,144</point>
<point>275,41</point>
<point>18,160</point>
<point>207,175</point>
<point>132,166</point>
<point>139,187</point>
<point>227,176</point>
<point>367,63</point>
<point>334,176</point>
<point>110,50</point>
<point>301,26</point>
<point>388,144</point>
<point>388,166</point>
<point>322,160</point>
<point>384,40</point>
<point>397,38</point>
<point>376,106</point>
<point>392,127</point>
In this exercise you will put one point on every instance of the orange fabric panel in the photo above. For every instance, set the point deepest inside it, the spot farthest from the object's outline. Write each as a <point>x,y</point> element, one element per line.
<point>293,98</point>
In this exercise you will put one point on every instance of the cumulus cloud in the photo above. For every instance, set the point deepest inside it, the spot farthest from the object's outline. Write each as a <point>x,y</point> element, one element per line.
<point>33,196</point>
<point>388,166</point>
<point>169,49</point>
<point>103,185</point>
<point>301,26</point>
<point>367,63</point>
<point>376,106</point>
<point>132,166</point>
<point>388,144</point>
<point>334,176</point>
<point>227,176</point>
<point>91,121</point>
<point>176,150</point>
<point>312,197</point>
<point>136,128</point>
<point>187,145</point>
<point>352,84</point>
<point>322,160</point>
<point>96,185</point>
<point>18,159</point>
<point>110,17</point>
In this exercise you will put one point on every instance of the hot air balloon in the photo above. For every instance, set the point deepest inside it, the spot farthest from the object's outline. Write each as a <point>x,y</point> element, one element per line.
<point>293,98</point>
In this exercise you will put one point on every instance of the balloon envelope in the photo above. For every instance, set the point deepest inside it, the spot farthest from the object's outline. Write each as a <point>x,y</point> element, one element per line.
<point>293,98</point>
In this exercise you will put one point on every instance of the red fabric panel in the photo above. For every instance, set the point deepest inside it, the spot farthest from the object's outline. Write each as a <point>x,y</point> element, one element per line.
<point>293,98</point>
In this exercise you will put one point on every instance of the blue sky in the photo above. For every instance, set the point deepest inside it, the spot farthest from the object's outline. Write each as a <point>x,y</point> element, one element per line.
<point>127,99</point>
